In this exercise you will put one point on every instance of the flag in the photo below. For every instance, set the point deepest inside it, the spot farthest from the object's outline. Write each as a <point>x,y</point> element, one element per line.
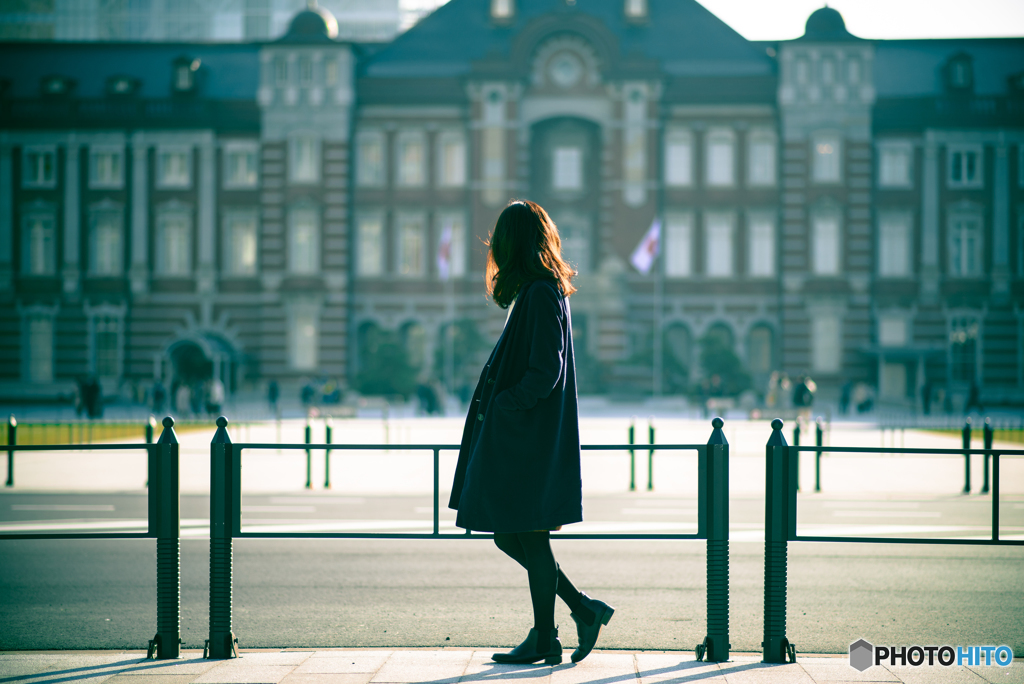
<point>648,249</point>
<point>444,252</point>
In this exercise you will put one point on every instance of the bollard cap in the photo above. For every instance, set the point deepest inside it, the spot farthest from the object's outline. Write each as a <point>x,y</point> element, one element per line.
<point>221,436</point>
<point>717,436</point>
<point>222,422</point>
<point>777,424</point>
<point>12,421</point>
<point>152,421</point>
<point>717,423</point>
<point>168,422</point>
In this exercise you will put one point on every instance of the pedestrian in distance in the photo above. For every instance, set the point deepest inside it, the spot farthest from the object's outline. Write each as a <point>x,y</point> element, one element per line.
<point>518,473</point>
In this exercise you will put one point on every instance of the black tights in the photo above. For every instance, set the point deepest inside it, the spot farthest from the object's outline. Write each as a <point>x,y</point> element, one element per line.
<point>532,550</point>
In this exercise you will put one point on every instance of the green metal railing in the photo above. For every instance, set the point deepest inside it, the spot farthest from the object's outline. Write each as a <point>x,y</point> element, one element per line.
<point>780,525</point>
<point>226,525</point>
<point>164,524</point>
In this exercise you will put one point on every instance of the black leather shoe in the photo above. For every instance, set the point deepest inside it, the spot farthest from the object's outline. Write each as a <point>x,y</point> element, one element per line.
<point>527,652</point>
<point>587,633</point>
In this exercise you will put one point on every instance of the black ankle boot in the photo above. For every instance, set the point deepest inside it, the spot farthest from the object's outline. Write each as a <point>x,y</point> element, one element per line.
<point>528,651</point>
<point>587,632</point>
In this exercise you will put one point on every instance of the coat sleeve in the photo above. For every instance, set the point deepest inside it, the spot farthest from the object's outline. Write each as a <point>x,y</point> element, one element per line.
<point>543,328</point>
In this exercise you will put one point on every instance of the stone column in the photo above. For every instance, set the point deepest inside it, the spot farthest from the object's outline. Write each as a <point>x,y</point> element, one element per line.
<point>494,144</point>
<point>1001,221</point>
<point>634,144</point>
<point>139,271</point>
<point>6,218</point>
<point>72,213</point>
<point>930,220</point>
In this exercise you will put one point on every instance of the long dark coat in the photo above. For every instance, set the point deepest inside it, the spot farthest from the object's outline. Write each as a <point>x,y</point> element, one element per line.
<point>519,464</point>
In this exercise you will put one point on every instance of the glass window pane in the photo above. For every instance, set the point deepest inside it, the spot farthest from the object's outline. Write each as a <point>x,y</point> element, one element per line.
<point>679,159</point>
<point>567,169</point>
<point>107,252</point>
<point>303,247</point>
<point>761,252</point>
<point>825,344</point>
<point>411,247</point>
<point>242,236</point>
<point>411,170</point>
<point>453,163</point>
<point>678,246</point>
<point>451,249</point>
<point>40,241</point>
<point>719,245</point>
<point>305,341</point>
<point>826,245</point>
<point>40,349</point>
<point>105,346</point>
<point>762,162</point>
<point>370,246</point>
<point>826,159</point>
<point>720,162</point>
<point>370,162</point>
<point>894,246</point>
<point>175,254</point>
<point>304,159</point>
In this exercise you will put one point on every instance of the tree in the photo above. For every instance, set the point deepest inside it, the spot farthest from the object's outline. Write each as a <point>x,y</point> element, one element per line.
<point>384,367</point>
<point>718,360</point>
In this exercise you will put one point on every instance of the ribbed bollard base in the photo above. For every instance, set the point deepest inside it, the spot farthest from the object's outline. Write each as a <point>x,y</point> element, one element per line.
<point>168,597</point>
<point>718,601</point>
<point>775,643</point>
<point>221,637</point>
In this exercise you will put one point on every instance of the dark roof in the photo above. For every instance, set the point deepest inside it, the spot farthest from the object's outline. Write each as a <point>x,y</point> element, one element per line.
<point>826,25</point>
<point>228,71</point>
<point>914,68</point>
<point>681,36</point>
<point>313,25</point>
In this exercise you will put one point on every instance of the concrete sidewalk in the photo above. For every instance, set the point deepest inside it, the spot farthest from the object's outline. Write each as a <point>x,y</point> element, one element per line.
<point>359,666</point>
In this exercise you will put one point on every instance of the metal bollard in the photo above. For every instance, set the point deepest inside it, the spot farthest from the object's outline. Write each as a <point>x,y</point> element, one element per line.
<point>967,456</point>
<point>327,454</point>
<point>817,455</point>
<point>309,457</point>
<point>713,512</point>
<point>650,454</point>
<point>12,440</point>
<point>165,521</point>
<point>985,459</point>
<point>225,481</point>
<point>632,455</point>
<point>779,527</point>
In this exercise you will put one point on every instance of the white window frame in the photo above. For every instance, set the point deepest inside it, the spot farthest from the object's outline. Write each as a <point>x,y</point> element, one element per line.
<point>163,265</point>
<point>567,168</point>
<point>410,176</point>
<point>367,267</point>
<point>679,244</point>
<point>33,181</point>
<point>761,257</point>
<point>115,151</point>
<point>108,315</point>
<point>299,263</point>
<point>678,165</point>
<point>403,220</point>
<point>819,267</point>
<point>965,269</point>
<point>164,182</point>
<point>243,147</point>
<point>826,143</point>
<point>460,230</point>
<point>297,174</point>
<point>825,358</point>
<point>233,265</point>
<point>887,267</point>
<point>97,267</point>
<point>712,269</point>
<point>31,347</point>
<point>904,148</point>
<point>48,268</point>
<point>456,176</point>
<point>303,320</point>
<point>963,150</point>
<point>364,177</point>
<point>756,138</point>
<point>717,137</point>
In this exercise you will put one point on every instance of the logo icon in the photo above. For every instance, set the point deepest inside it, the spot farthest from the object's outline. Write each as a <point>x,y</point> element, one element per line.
<point>861,655</point>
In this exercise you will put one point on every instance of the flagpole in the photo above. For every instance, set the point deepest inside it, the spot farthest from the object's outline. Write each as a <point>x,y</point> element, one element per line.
<point>449,342</point>
<point>659,287</point>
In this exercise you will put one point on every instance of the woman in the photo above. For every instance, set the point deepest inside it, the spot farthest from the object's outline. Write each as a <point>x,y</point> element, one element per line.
<point>518,473</point>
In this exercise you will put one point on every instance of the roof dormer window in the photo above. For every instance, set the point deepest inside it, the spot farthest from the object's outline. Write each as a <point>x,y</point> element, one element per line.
<point>635,9</point>
<point>960,73</point>
<point>122,85</point>
<point>185,74</point>
<point>56,85</point>
<point>502,10</point>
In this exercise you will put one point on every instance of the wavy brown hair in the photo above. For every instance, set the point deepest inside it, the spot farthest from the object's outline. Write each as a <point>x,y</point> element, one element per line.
<point>525,246</point>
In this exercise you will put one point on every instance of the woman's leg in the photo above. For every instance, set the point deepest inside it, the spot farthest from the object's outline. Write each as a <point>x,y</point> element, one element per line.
<point>543,573</point>
<point>513,547</point>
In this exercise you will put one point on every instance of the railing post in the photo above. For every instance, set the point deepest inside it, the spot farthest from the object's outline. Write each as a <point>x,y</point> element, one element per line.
<point>632,455</point>
<point>12,440</point>
<point>985,459</point>
<point>309,456</point>
<point>167,642</point>
<point>967,456</point>
<point>150,428</point>
<point>328,436</point>
<point>778,527</point>
<point>222,471</point>
<point>716,515</point>
<point>796,442</point>
<point>650,454</point>
<point>818,433</point>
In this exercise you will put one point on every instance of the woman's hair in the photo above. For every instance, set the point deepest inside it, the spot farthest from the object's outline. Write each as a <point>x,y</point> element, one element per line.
<point>525,246</point>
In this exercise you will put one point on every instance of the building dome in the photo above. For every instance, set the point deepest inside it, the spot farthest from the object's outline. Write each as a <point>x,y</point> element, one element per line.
<point>826,24</point>
<point>312,25</point>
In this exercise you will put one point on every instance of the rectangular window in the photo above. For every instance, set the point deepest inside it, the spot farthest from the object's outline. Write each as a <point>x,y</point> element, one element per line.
<point>241,243</point>
<point>39,167</point>
<point>720,159</point>
<point>305,71</point>
<point>761,246</point>
<point>894,166</point>
<point>304,241</point>
<point>827,156</point>
<point>826,245</point>
<point>411,160</point>
<point>894,380</point>
<point>679,245</point>
<point>107,251</point>
<point>892,331</point>
<point>39,244</point>
<point>39,348</point>
<point>894,245</point>
<point>174,231</point>
<point>501,9</point>
<point>370,245</point>
<point>636,9</point>
<point>963,348</point>
<point>567,168</point>
<point>451,247</point>
<point>280,71</point>
<point>304,336</point>
<point>718,245</point>
<point>240,167</point>
<point>678,158</point>
<point>106,346</point>
<point>826,349</point>
<point>331,72</point>
<point>370,159</point>
<point>412,245</point>
<point>106,167</point>
<point>451,160</point>
<point>304,159</point>
<point>761,160</point>
<point>965,246</point>
<point>174,168</point>
<point>965,167</point>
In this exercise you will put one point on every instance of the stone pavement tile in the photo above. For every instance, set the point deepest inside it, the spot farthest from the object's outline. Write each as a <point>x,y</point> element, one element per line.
<point>151,679</point>
<point>606,668</point>
<point>937,674</point>
<point>668,667</point>
<point>344,663</point>
<point>238,672</point>
<point>838,669</point>
<point>481,669</point>
<point>1014,674</point>
<point>48,667</point>
<point>328,678</point>
<point>753,671</point>
<point>273,657</point>
<point>436,667</point>
<point>189,665</point>
<point>344,653</point>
